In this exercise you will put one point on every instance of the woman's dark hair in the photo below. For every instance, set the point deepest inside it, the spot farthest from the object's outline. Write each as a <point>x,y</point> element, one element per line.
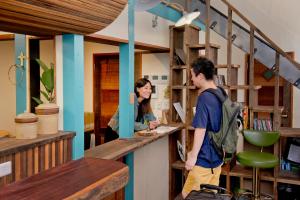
<point>144,106</point>
<point>204,66</point>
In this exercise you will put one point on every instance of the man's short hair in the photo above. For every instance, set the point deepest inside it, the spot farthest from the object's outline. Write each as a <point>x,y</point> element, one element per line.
<point>204,66</point>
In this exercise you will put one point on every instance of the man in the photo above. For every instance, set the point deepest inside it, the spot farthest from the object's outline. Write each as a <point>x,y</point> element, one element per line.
<point>203,162</point>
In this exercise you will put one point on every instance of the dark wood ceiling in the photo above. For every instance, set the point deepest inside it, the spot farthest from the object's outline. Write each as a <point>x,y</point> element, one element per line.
<point>52,17</point>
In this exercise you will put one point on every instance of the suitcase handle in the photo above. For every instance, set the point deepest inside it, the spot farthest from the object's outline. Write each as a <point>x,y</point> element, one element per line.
<point>214,187</point>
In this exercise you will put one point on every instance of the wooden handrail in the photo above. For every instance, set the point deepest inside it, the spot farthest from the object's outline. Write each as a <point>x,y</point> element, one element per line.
<point>273,45</point>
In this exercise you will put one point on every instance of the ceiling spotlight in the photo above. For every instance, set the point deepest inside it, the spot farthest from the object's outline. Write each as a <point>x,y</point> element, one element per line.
<point>213,24</point>
<point>255,50</point>
<point>154,21</point>
<point>233,37</point>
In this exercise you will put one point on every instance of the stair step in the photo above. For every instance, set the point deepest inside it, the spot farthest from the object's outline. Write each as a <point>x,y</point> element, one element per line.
<point>202,46</point>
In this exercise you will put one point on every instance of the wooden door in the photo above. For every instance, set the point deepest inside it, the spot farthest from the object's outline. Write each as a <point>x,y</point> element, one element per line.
<point>106,89</point>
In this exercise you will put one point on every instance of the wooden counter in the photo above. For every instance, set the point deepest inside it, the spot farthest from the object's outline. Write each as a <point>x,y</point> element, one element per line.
<point>289,132</point>
<point>121,147</point>
<point>86,178</point>
<point>30,156</point>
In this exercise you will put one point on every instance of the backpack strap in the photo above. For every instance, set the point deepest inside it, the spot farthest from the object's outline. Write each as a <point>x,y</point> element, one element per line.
<point>221,96</point>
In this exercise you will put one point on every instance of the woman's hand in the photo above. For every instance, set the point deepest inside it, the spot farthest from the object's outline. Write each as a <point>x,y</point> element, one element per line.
<point>191,161</point>
<point>153,124</point>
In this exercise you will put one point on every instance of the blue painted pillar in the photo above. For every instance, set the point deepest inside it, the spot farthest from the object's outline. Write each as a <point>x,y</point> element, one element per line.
<point>73,93</point>
<point>21,86</point>
<point>126,96</point>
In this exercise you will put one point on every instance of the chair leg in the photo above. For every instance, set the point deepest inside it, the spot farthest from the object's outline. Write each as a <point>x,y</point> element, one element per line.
<point>256,184</point>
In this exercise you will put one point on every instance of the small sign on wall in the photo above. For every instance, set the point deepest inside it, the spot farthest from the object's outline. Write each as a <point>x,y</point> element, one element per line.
<point>158,79</point>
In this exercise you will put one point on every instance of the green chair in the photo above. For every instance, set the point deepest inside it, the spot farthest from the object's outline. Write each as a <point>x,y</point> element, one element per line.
<point>256,159</point>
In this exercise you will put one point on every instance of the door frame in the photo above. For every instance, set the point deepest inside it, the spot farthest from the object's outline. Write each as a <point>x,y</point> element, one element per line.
<point>96,78</point>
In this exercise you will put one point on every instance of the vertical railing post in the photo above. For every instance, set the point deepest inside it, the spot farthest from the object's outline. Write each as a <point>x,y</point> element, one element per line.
<point>276,120</point>
<point>207,30</point>
<point>251,76</point>
<point>229,49</point>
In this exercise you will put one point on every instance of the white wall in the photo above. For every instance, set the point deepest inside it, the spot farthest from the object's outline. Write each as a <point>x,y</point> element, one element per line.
<point>151,171</point>
<point>157,64</point>
<point>7,89</point>
<point>143,28</point>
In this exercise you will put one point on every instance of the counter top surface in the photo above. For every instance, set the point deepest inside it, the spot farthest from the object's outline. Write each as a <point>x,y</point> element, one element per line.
<point>86,178</point>
<point>122,146</point>
<point>10,145</point>
<point>289,132</point>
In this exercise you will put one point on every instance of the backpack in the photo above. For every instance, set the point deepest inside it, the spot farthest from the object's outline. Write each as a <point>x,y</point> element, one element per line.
<point>225,140</point>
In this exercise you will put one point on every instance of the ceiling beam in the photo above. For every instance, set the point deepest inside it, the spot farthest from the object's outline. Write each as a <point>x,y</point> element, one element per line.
<point>116,41</point>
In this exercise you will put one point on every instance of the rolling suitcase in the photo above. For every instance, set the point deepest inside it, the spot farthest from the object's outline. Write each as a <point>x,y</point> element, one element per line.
<point>210,192</point>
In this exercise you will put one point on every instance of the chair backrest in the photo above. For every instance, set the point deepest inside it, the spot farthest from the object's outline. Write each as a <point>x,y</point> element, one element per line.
<point>261,138</point>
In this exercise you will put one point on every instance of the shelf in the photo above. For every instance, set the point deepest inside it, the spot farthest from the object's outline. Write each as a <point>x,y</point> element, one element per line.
<point>178,87</point>
<point>288,177</point>
<point>245,172</point>
<point>241,87</point>
<point>177,67</point>
<point>224,66</point>
<point>178,165</point>
<point>202,46</point>
<point>183,27</point>
<point>192,87</point>
<point>289,132</point>
<point>268,109</point>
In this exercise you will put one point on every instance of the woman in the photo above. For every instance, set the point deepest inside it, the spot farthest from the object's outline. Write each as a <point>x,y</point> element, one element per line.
<point>144,118</point>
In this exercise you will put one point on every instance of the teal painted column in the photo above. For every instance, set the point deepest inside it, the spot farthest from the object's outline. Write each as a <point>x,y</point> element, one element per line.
<point>21,86</point>
<point>126,96</point>
<point>73,93</point>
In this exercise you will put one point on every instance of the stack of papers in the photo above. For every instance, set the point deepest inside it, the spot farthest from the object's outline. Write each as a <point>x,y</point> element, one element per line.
<point>164,129</point>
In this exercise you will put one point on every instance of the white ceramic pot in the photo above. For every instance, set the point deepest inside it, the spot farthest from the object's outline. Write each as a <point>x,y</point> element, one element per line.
<point>48,118</point>
<point>26,126</point>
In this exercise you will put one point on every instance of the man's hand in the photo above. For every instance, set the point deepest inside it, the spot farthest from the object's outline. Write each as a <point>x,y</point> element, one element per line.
<point>191,161</point>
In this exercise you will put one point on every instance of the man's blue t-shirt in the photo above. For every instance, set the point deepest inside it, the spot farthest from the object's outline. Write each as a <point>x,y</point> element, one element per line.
<point>208,116</point>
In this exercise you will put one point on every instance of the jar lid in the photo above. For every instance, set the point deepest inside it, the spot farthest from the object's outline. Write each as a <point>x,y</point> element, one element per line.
<point>26,117</point>
<point>47,109</point>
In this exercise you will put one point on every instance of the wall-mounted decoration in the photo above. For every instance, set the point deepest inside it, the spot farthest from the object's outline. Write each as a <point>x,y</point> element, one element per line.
<point>17,68</point>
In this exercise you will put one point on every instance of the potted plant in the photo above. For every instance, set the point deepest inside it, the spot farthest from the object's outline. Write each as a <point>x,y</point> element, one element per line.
<point>47,112</point>
<point>47,80</point>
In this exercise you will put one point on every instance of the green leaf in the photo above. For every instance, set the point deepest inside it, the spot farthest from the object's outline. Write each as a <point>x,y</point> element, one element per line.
<point>48,80</point>
<point>42,64</point>
<point>37,100</point>
<point>45,95</point>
